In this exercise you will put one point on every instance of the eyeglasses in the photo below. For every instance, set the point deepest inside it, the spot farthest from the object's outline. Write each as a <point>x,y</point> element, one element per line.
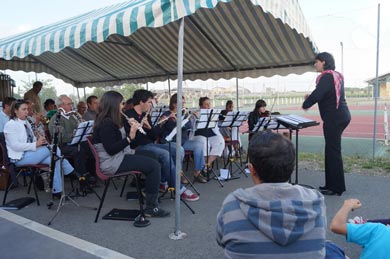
<point>20,101</point>
<point>67,103</point>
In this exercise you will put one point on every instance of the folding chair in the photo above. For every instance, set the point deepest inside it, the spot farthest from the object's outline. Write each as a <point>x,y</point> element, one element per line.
<point>15,171</point>
<point>107,178</point>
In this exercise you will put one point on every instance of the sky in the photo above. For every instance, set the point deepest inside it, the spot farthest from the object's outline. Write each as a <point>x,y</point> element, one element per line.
<point>348,26</point>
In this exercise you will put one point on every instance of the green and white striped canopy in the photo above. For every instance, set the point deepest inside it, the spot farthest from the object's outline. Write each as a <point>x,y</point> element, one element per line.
<point>136,41</point>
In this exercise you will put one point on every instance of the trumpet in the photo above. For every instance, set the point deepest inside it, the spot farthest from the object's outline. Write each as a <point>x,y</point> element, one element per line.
<point>139,127</point>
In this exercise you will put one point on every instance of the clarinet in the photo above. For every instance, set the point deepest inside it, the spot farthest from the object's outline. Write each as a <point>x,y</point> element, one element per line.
<point>36,132</point>
<point>55,146</point>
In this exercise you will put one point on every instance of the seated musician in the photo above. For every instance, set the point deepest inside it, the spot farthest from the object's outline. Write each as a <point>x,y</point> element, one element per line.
<point>229,133</point>
<point>49,108</point>
<point>258,112</point>
<point>145,142</point>
<point>112,145</point>
<point>215,141</point>
<point>35,119</point>
<point>93,106</point>
<point>24,148</point>
<point>195,146</point>
<point>68,123</point>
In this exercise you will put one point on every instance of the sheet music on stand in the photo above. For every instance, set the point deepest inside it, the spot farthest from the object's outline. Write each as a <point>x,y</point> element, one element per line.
<point>156,113</point>
<point>174,131</point>
<point>265,123</point>
<point>83,130</point>
<point>296,121</point>
<point>234,119</point>
<point>208,118</point>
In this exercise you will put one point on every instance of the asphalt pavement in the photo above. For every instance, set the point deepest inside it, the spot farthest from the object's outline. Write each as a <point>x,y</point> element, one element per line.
<point>122,239</point>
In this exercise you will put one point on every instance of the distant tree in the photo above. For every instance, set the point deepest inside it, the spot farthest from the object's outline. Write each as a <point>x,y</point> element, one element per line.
<point>126,90</point>
<point>98,91</point>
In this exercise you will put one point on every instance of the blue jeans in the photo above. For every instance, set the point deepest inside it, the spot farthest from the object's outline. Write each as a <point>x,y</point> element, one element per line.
<point>197,148</point>
<point>42,155</point>
<point>167,162</point>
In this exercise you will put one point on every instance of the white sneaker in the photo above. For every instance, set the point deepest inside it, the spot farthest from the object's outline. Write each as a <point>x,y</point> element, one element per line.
<point>187,195</point>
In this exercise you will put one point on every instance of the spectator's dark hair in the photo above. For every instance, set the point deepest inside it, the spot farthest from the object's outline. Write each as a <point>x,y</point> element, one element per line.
<point>260,103</point>
<point>329,60</point>
<point>15,106</point>
<point>109,109</point>
<point>173,102</point>
<point>202,100</point>
<point>90,98</point>
<point>48,102</point>
<point>8,101</point>
<point>37,84</point>
<point>272,156</point>
<point>141,95</point>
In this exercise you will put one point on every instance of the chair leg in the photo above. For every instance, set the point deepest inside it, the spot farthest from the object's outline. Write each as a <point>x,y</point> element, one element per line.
<point>187,161</point>
<point>9,184</point>
<point>123,186</point>
<point>106,184</point>
<point>34,187</point>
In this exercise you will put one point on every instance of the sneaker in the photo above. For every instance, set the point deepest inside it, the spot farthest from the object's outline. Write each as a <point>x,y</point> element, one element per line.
<point>156,213</point>
<point>357,220</point>
<point>187,195</point>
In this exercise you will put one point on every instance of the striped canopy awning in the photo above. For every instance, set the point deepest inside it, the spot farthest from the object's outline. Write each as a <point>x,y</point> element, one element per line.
<point>136,42</point>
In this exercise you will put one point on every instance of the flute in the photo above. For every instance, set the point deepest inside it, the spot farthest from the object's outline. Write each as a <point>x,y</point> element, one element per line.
<point>139,127</point>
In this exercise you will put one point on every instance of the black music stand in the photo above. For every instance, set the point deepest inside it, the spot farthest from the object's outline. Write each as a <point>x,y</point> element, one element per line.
<point>233,120</point>
<point>296,122</point>
<point>84,129</point>
<point>55,158</point>
<point>156,114</point>
<point>208,119</point>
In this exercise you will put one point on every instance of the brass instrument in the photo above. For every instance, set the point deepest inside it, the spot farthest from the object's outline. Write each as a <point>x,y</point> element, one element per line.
<point>138,125</point>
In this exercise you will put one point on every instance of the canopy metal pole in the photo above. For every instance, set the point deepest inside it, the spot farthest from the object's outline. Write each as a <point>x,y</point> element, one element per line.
<point>169,86</point>
<point>78,93</point>
<point>178,234</point>
<point>85,95</point>
<point>147,86</point>
<point>237,104</point>
<point>376,89</point>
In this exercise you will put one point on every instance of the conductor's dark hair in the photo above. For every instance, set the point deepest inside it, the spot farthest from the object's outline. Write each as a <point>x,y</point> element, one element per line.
<point>329,60</point>
<point>272,156</point>
<point>141,95</point>
<point>202,100</point>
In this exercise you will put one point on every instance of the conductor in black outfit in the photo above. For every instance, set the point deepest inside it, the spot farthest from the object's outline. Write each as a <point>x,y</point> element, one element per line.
<point>329,94</point>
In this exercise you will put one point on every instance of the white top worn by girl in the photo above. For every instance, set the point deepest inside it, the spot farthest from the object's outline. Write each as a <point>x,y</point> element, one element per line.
<point>16,138</point>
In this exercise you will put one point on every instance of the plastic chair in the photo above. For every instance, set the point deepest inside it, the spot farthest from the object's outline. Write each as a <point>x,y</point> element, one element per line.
<point>15,171</point>
<point>106,177</point>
